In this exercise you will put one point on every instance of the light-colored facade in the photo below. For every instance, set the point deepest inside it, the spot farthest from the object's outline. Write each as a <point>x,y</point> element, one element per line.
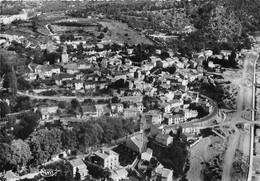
<point>107,158</point>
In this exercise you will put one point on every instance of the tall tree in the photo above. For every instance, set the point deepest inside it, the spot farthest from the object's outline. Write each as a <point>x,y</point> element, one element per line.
<point>4,109</point>
<point>5,156</point>
<point>10,81</point>
<point>20,152</point>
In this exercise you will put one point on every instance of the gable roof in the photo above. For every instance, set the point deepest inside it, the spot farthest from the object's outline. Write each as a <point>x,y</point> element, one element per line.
<point>162,136</point>
<point>87,108</point>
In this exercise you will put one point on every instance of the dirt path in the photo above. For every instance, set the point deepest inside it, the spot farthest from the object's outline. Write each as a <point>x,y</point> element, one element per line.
<point>198,155</point>
<point>229,155</point>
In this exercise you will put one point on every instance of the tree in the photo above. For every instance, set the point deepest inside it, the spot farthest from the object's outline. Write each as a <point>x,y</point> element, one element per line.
<point>23,84</point>
<point>69,139</point>
<point>22,103</point>
<point>105,29</point>
<point>4,109</point>
<point>29,121</point>
<point>102,35</point>
<point>115,100</point>
<point>10,81</point>
<point>44,144</point>
<point>5,156</point>
<point>20,152</point>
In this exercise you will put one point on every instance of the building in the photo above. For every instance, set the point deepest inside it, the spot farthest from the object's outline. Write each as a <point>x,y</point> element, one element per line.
<point>136,143</point>
<point>107,158</point>
<point>102,109</point>
<point>88,111</point>
<point>155,117</point>
<point>64,55</point>
<point>131,112</point>
<point>161,173</point>
<point>147,155</point>
<point>164,139</point>
<point>119,174</point>
<point>79,166</point>
<point>117,107</point>
<point>47,111</point>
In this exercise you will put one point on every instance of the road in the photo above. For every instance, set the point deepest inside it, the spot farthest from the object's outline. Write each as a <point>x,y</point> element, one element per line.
<point>229,155</point>
<point>244,103</point>
<point>63,98</point>
<point>249,178</point>
<point>198,153</point>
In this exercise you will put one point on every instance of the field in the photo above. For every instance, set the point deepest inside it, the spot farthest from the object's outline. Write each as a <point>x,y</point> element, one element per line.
<point>122,33</point>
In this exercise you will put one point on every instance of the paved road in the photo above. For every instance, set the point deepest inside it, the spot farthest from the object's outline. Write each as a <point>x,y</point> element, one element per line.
<point>63,98</point>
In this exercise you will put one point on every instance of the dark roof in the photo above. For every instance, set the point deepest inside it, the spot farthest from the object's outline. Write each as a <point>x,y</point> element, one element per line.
<point>86,109</point>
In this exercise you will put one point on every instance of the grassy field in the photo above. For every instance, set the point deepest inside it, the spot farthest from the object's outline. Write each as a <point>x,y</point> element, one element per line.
<point>122,33</point>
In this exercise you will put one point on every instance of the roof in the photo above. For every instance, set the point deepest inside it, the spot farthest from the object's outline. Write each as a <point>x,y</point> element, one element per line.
<point>138,140</point>
<point>48,110</point>
<point>104,153</point>
<point>77,162</point>
<point>119,173</point>
<point>62,76</point>
<point>10,175</point>
<point>164,172</point>
<point>149,151</point>
<point>86,109</point>
<point>71,66</point>
<point>162,136</point>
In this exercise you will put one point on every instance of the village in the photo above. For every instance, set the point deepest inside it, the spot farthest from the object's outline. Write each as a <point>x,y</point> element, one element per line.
<point>153,87</point>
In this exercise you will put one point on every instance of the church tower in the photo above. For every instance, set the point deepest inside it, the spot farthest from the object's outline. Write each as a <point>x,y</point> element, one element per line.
<point>64,55</point>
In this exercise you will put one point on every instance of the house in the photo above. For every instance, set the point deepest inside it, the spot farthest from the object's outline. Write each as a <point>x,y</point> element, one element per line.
<point>136,143</point>
<point>176,103</point>
<point>187,114</point>
<point>59,78</point>
<point>166,107</point>
<point>106,158</point>
<point>71,68</point>
<point>31,77</point>
<point>147,155</point>
<point>140,107</point>
<point>117,107</point>
<point>78,84</point>
<point>164,139</point>
<point>119,174</point>
<point>131,112</point>
<point>102,109</point>
<point>90,85</point>
<point>168,119</point>
<point>154,116</point>
<point>177,118</point>
<point>82,65</point>
<point>88,111</point>
<point>47,111</point>
<point>11,176</point>
<point>68,84</point>
<point>193,64</point>
<point>161,173</point>
<point>55,69</point>
<point>79,166</point>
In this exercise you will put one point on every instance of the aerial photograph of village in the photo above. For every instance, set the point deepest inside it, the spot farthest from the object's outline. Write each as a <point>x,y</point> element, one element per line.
<point>130,90</point>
